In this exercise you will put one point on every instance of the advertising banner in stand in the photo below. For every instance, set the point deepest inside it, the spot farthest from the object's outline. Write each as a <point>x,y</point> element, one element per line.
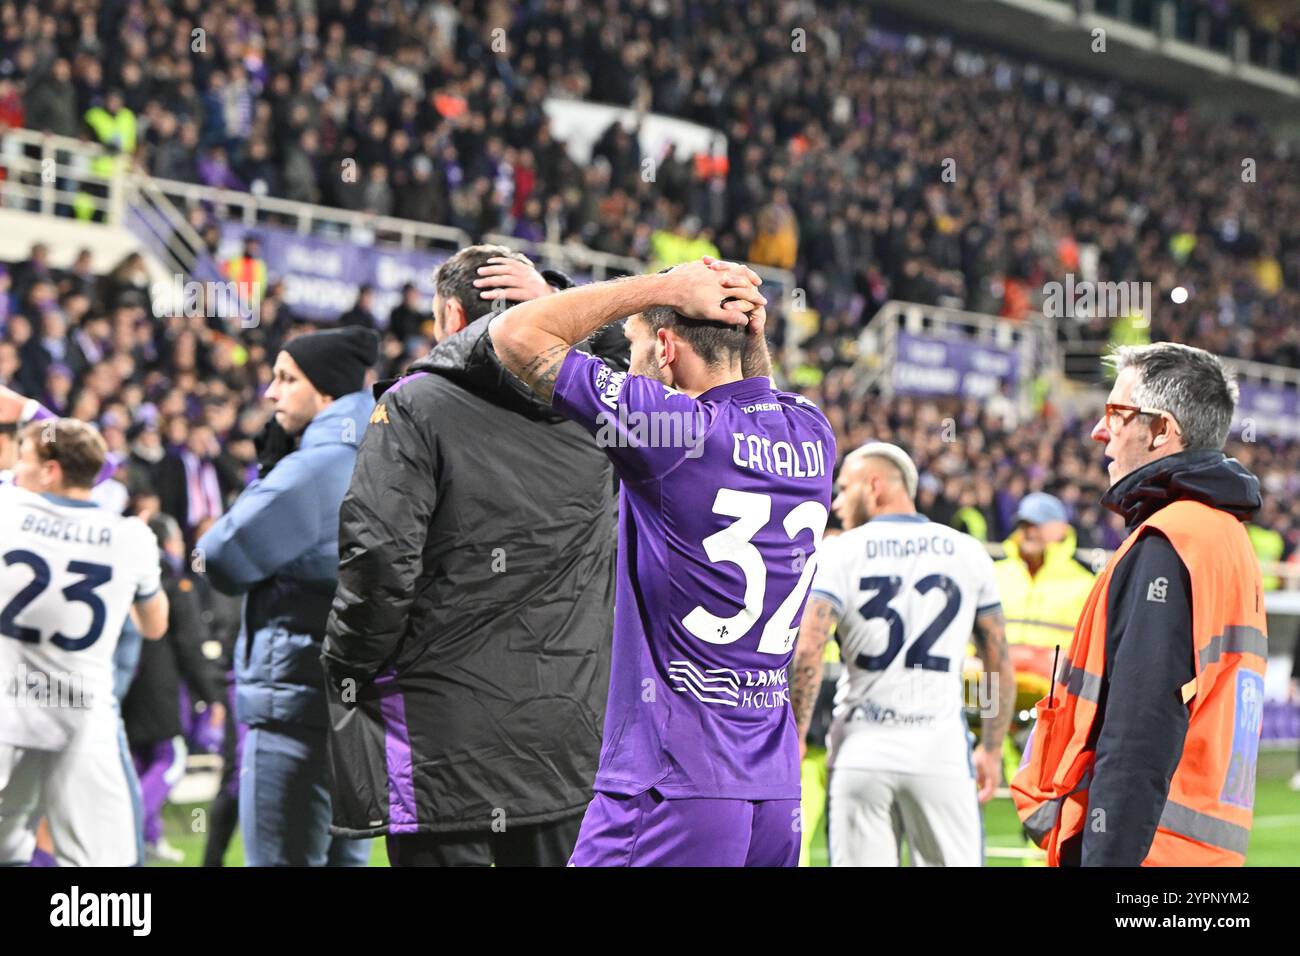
<point>1267,411</point>
<point>929,365</point>
<point>321,275</point>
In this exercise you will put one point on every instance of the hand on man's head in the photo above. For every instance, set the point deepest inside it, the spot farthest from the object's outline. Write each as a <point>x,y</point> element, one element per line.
<point>510,279</point>
<point>704,290</point>
<point>737,275</point>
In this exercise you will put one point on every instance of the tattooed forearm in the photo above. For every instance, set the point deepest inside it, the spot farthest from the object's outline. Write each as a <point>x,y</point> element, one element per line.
<point>806,674</point>
<point>539,372</point>
<point>991,645</point>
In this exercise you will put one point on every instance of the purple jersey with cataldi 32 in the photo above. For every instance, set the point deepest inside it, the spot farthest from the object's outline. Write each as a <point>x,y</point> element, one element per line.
<point>723,503</point>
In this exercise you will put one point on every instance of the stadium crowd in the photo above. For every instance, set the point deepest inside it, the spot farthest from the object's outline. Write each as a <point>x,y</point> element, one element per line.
<point>977,460</point>
<point>876,163</point>
<point>180,402</point>
<point>838,137</point>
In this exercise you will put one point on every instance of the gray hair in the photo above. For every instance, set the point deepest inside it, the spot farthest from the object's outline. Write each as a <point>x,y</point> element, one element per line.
<point>1189,383</point>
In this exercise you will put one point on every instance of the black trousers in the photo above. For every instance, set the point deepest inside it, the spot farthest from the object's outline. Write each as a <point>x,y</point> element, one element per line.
<point>223,814</point>
<point>539,844</point>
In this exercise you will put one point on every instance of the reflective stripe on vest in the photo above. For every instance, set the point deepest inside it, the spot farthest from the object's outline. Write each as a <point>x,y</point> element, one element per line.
<point>1041,821</point>
<point>1204,828</point>
<point>1175,818</point>
<point>1235,639</point>
<point>1079,682</point>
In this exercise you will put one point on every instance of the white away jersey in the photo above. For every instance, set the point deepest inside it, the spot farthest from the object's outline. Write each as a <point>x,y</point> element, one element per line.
<point>907,591</point>
<point>68,573</point>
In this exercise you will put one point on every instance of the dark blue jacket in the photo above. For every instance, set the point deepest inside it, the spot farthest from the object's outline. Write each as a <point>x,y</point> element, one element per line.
<point>278,545</point>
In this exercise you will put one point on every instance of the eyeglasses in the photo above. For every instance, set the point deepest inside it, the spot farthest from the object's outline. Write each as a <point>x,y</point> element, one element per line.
<point>1118,415</point>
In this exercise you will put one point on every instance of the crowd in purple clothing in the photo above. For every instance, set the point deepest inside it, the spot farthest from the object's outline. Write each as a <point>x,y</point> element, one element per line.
<point>840,125</point>
<point>986,456</point>
<point>180,402</point>
<point>836,151</point>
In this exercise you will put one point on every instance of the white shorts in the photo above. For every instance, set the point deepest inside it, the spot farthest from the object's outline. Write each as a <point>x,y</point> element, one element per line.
<point>872,811</point>
<point>84,792</point>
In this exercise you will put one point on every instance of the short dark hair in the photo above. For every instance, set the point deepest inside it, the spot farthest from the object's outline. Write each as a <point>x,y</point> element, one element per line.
<point>1189,383</point>
<point>77,447</point>
<point>164,528</point>
<point>454,279</point>
<point>717,343</point>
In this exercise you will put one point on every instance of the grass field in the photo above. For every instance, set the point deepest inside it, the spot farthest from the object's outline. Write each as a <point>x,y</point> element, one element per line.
<point>1274,840</point>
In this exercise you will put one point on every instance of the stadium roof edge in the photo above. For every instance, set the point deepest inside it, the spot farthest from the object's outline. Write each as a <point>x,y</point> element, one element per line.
<point>1059,34</point>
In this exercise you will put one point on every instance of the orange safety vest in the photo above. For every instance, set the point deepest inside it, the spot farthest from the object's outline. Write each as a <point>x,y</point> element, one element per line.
<point>1207,814</point>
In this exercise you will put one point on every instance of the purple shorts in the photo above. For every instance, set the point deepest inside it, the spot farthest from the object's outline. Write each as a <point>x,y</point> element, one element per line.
<point>651,830</point>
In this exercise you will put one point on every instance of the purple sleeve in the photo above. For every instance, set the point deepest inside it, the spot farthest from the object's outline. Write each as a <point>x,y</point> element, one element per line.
<point>111,463</point>
<point>40,413</point>
<point>645,427</point>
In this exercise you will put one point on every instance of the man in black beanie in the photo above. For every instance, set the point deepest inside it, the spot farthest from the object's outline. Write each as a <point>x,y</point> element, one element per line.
<point>310,372</point>
<point>278,545</point>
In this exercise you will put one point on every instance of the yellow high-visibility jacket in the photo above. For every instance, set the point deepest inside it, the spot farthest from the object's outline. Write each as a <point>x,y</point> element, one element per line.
<point>118,133</point>
<point>1044,608</point>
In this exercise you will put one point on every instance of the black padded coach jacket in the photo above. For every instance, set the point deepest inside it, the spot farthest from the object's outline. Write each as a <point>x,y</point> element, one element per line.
<point>467,652</point>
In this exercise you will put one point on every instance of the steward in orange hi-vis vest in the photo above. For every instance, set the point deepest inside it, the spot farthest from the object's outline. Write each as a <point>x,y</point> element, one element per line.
<point>1145,751</point>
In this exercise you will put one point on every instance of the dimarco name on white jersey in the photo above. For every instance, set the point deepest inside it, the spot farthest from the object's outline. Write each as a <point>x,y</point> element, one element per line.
<point>906,548</point>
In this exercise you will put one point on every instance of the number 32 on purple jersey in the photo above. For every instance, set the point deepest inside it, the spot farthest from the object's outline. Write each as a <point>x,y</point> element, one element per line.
<point>734,544</point>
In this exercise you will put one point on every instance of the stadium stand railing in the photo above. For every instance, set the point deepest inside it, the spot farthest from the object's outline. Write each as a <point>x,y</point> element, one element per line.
<point>1031,341</point>
<point>57,175</point>
<point>52,174</point>
<point>1041,363</point>
<point>1082,361</point>
<point>308,219</point>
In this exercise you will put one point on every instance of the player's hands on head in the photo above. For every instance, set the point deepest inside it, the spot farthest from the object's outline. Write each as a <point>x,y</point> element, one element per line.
<point>510,279</point>
<point>738,270</point>
<point>698,290</point>
<point>738,274</point>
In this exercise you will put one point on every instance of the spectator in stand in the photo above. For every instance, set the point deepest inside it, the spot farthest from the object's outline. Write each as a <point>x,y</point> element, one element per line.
<point>214,170</point>
<point>12,113</point>
<point>35,269</point>
<point>408,317</point>
<point>248,272</point>
<point>362,312</point>
<point>777,241</point>
<point>194,482</point>
<point>51,101</point>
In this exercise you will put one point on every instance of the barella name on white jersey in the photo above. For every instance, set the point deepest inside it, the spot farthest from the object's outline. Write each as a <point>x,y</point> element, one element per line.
<point>759,453</point>
<point>63,529</point>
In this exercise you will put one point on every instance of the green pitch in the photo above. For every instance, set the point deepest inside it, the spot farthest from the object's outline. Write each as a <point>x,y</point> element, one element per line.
<point>1274,840</point>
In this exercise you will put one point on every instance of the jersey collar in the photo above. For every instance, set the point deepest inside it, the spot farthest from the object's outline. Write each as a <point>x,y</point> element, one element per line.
<point>740,387</point>
<point>917,518</point>
<point>67,502</point>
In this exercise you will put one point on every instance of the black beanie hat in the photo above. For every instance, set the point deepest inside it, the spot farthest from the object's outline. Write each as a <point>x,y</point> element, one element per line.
<point>335,361</point>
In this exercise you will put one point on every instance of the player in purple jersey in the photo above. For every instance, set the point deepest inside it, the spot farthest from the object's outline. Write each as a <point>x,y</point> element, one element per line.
<point>724,496</point>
